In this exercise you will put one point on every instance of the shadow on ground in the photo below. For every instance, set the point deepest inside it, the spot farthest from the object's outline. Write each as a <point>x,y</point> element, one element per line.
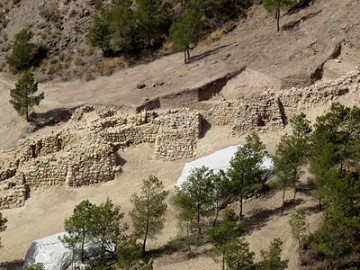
<point>207,53</point>
<point>296,24</point>
<point>261,217</point>
<point>51,117</point>
<point>13,265</point>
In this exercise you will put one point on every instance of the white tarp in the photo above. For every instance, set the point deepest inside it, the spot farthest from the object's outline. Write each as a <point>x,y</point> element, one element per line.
<point>51,252</point>
<point>216,161</point>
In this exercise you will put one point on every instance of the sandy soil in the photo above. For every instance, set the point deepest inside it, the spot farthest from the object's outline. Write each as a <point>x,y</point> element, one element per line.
<point>269,57</point>
<point>46,210</point>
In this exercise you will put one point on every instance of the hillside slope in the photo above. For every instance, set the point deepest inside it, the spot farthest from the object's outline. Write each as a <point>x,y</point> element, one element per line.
<point>321,41</point>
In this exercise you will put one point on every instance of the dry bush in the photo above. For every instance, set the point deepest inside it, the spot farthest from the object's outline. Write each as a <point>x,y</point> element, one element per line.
<point>53,68</point>
<point>108,66</point>
<point>65,65</point>
<point>65,56</point>
<point>77,61</point>
<point>89,51</point>
<point>88,76</point>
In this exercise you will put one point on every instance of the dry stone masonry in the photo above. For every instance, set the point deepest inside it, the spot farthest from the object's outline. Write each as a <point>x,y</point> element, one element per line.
<point>84,150</point>
<point>178,134</point>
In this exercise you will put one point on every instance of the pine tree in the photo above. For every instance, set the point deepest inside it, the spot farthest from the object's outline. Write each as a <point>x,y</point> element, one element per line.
<point>275,6</point>
<point>149,209</point>
<point>238,255</point>
<point>113,28</point>
<point>291,154</point>
<point>194,200</point>
<point>147,14</point>
<point>187,28</point>
<point>299,227</point>
<point>99,32</point>
<point>224,233</point>
<point>129,254</point>
<point>220,192</point>
<point>334,164</point>
<point>99,226</point>
<point>245,172</point>
<point>271,259</point>
<point>78,227</point>
<point>23,52</point>
<point>22,97</point>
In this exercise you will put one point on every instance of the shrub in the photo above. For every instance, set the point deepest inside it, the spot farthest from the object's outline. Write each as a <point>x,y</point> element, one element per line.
<point>23,53</point>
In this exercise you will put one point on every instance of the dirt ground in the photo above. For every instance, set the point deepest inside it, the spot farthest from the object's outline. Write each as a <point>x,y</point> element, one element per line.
<point>272,60</point>
<point>45,211</point>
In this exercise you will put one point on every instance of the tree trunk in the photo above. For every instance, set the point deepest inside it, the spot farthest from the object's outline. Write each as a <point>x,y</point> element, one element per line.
<point>223,260</point>
<point>185,60</point>
<point>188,236</point>
<point>283,202</point>
<point>146,231</point>
<point>188,53</point>
<point>216,215</point>
<point>198,223</point>
<point>277,15</point>
<point>27,115</point>
<point>241,206</point>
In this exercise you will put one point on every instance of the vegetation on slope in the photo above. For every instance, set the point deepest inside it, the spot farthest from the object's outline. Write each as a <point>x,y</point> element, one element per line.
<point>332,152</point>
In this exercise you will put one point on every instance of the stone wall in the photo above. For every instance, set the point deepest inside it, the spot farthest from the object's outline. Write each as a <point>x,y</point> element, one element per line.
<point>83,151</point>
<point>178,134</point>
<point>78,165</point>
<point>244,116</point>
<point>124,136</point>
<point>45,145</point>
<point>320,92</point>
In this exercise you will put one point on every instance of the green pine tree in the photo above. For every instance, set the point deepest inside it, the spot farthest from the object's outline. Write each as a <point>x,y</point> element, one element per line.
<point>245,172</point>
<point>194,201</point>
<point>148,16</point>
<point>271,259</point>
<point>224,233</point>
<point>23,52</point>
<point>78,228</point>
<point>299,227</point>
<point>291,154</point>
<point>99,226</point>
<point>149,209</point>
<point>275,6</point>
<point>22,96</point>
<point>238,255</point>
<point>187,28</point>
<point>99,32</point>
<point>122,26</point>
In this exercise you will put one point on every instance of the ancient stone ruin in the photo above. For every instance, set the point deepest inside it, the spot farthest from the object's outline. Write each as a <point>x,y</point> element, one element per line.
<point>84,150</point>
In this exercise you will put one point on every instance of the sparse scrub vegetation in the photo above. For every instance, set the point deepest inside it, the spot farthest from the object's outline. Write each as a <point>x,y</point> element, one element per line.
<point>23,53</point>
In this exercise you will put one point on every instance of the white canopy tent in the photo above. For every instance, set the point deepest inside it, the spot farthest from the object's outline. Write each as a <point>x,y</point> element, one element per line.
<point>51,252</point>
<point>216,161</point>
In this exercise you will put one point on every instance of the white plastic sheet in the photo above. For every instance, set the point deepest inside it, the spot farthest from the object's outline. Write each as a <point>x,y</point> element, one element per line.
<point>216,161</point>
